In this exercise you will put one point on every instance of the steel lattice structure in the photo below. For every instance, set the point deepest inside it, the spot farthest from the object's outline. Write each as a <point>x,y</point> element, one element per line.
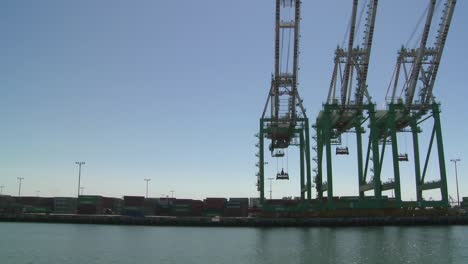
<point>405,114</point>
<point>349,108</point>
<point>286,123</point>
<point>344,112</point>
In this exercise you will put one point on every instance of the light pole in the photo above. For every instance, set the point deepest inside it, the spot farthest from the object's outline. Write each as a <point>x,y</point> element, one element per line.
<point>20,179</point>
<point>271,189</point>
<point>172,194</point>
<point>1,189</point>
<point>455,161</point>
<point>147,181</point>
<point>79,163</point>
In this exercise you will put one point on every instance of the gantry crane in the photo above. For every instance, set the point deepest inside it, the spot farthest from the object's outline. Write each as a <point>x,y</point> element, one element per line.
<point>346,101</point>
<point>411,103</point>
<point>286,124</point>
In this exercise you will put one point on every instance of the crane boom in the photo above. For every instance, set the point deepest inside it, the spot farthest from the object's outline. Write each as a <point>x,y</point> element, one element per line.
<point>366,51</point>
<point>356,62</point>
<point>449,9</point>
<point>410,90</point>
<point>349,59</point>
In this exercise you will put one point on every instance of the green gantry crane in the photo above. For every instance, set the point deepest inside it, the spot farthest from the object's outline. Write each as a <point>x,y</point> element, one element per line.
<point>343,112</point>
<point>284,121</point>
<point>410,103</point>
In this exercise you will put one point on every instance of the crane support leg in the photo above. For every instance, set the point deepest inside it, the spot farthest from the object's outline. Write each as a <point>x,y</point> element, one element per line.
<point>301,157</point>
<point>417,164</point>
<point>396,162</point>
<point>307,157</point>
<point>361,180</point>
<point>440,149</point>
<point>261,163</point>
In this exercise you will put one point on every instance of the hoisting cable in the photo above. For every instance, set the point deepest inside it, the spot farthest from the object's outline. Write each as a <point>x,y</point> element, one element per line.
<point>417,26</point>
<point>391,81</point>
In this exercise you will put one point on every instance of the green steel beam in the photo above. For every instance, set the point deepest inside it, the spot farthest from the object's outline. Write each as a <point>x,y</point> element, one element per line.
<point>440,148</point>
<point>428,154</point>
<point>261,163</point>
<point>359,131</point>
<point>375,154</point>
<point>396,162</point>
<point>301,157</point>
<point>417,162</point>
<point>307,157</point>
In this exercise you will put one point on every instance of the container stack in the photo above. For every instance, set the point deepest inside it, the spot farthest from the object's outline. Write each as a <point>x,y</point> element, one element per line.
<point>182,207</point>
<point>237,207</point>
<point>150,206</point>
<point>464,203</point>
<point>197,207</point>
<point>29,203</point>
<point>134,206</point>
<point>164,206</point>
<point>36,205</point>
<point>64,205</point>
<point>215,206</point>
<point>6,203</point>
<point>111,205</point>
<point>89,204</point>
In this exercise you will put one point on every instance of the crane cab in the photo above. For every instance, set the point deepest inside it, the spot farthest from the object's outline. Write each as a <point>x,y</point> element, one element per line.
<point>403,157</point>
<point>342,151</point>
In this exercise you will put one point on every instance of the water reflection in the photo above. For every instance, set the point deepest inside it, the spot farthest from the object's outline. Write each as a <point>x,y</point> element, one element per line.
<point>73,244</point>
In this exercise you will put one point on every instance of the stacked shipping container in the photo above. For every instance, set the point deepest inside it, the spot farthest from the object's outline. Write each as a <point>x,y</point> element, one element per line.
<point>134,206</point>
<point>215,206</point>
<point>64,205</point>
<point>89,204</point>
<point>237,207</point>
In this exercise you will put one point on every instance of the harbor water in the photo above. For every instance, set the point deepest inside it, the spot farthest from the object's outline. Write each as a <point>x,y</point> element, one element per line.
<point>24,243</point>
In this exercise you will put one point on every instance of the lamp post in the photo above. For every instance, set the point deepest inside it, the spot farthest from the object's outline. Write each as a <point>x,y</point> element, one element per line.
<point>172,194</point>
<point>20,179</point>
<point>271,189</point>
<point>147,181</point>
<point>79,163</point>
<point>1,189</point>
<point>455,161</point>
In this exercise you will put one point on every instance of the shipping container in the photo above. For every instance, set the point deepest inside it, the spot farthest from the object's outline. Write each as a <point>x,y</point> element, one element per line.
<point>111,205</point>
<point>64,205</point>
<point>134,201</point>
<point>150,206</point>
<point>133,211</point>
<point>91,209</point>
<point>235,212</point>
<point>28,200</point>
<point>215,203</point>
<point>90,199</point>
<point>197,207</point>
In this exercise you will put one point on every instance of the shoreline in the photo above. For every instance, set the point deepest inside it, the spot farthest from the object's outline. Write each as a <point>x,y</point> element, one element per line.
<point>240,221</point>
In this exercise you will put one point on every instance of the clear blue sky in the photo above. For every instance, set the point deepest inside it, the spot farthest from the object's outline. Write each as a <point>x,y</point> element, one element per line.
<point>173,90</point>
